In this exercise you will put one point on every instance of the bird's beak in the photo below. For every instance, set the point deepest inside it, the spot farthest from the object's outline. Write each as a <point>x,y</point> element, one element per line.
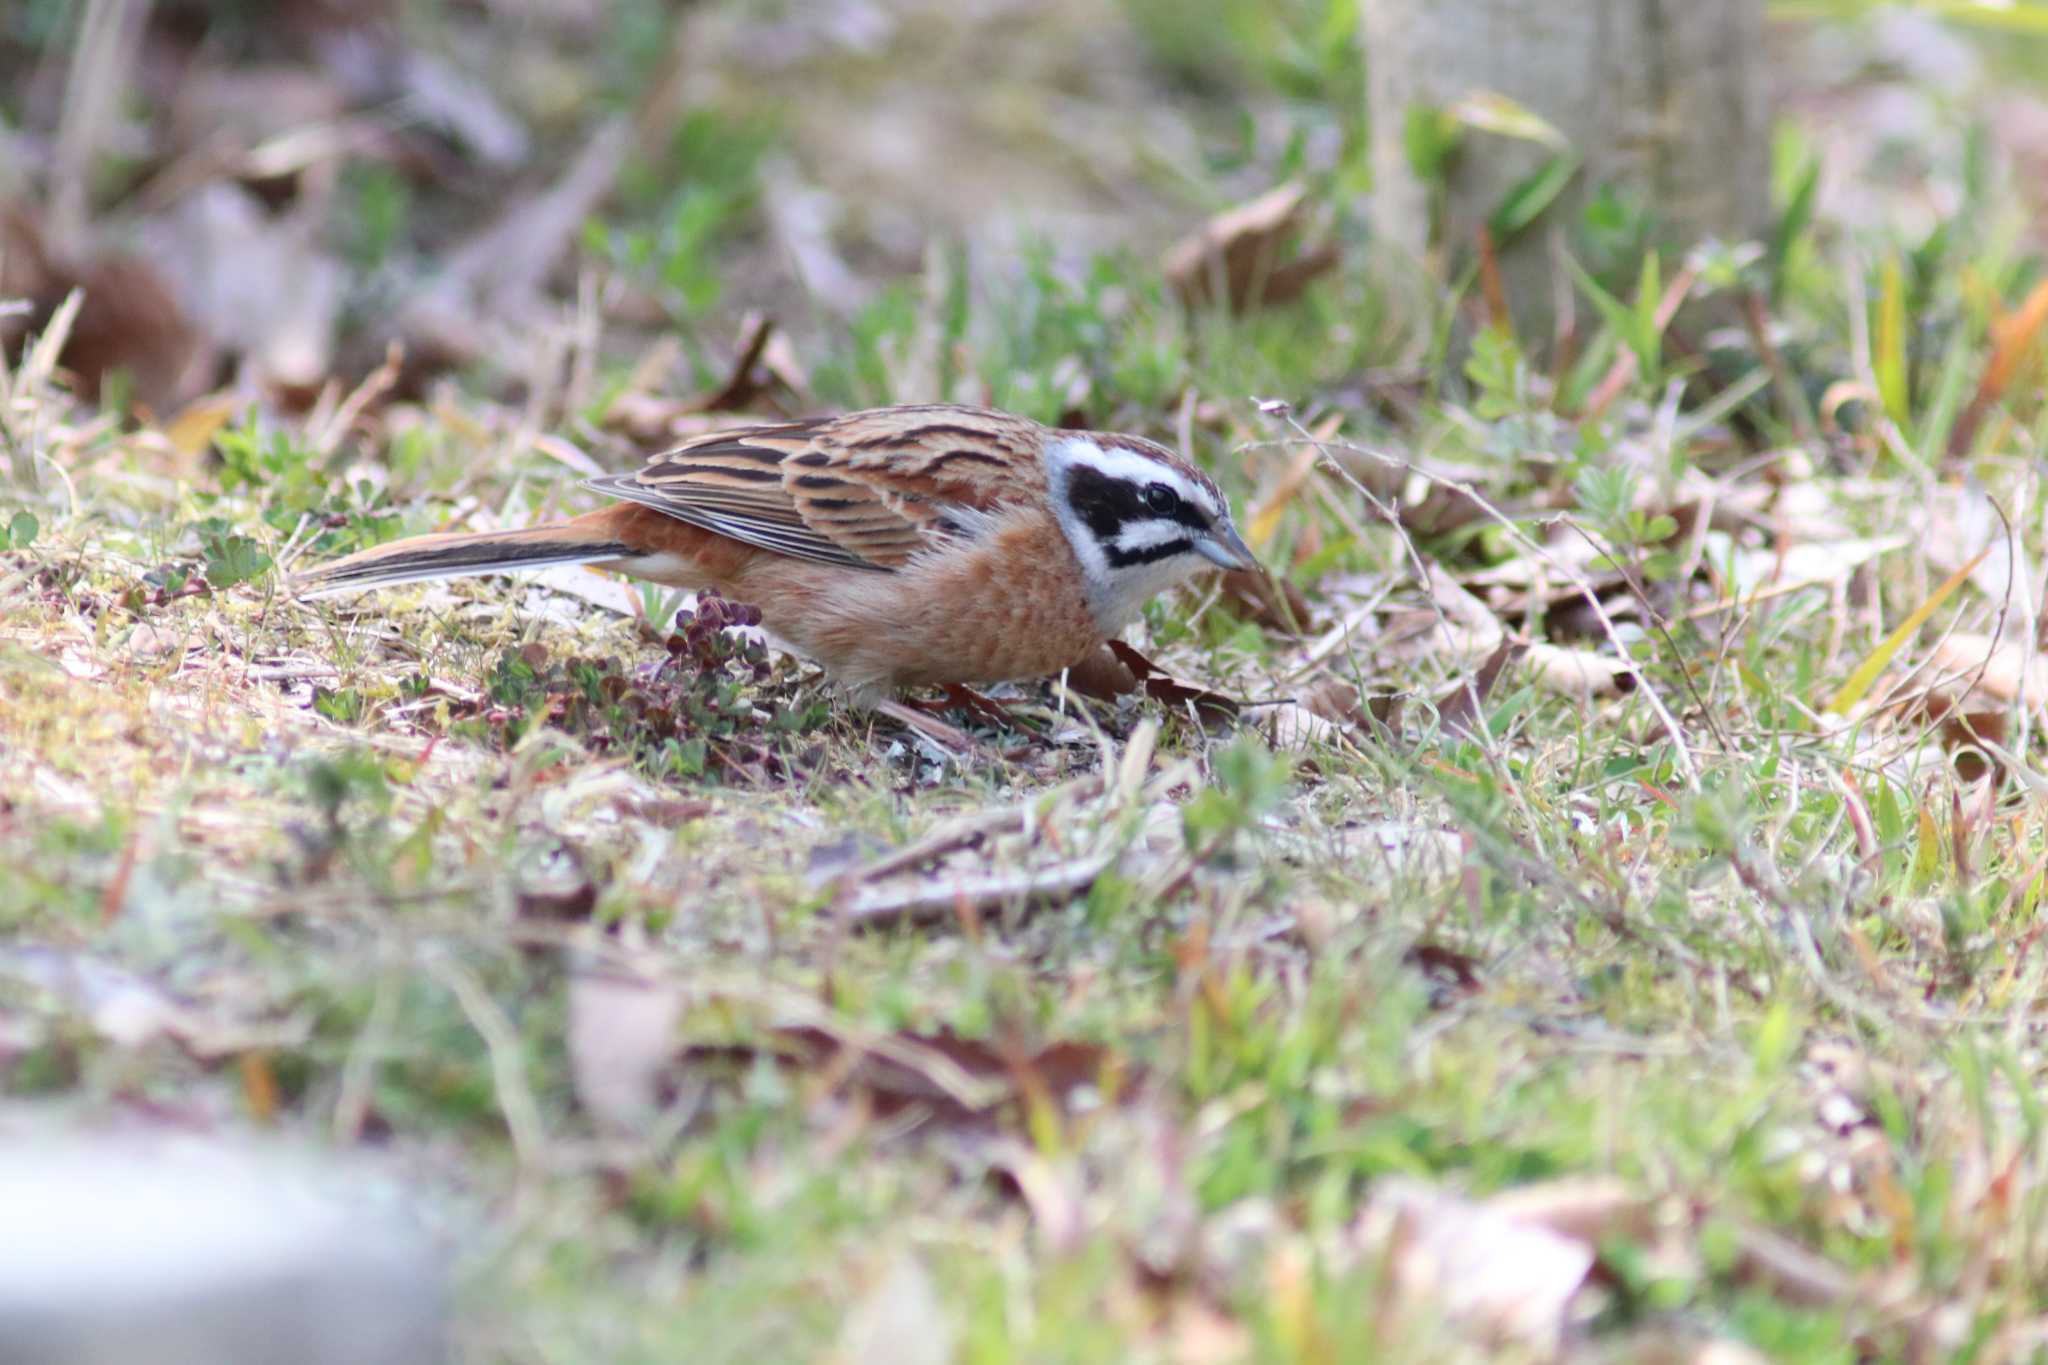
<point>1224,548</point>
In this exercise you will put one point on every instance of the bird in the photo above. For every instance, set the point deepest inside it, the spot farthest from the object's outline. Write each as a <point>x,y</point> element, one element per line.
<point>928,545</point>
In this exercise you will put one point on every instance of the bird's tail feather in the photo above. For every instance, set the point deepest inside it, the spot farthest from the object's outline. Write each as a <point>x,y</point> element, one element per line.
<point>457,555</point>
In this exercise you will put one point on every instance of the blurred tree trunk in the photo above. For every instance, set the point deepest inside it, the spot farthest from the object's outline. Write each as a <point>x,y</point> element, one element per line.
<point>1662,98</point>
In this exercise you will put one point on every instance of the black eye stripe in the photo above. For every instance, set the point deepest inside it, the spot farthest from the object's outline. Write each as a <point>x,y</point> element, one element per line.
<point>1106,504</point>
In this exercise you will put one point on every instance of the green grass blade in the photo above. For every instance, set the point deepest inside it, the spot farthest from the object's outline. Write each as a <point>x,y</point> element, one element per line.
<point>1866,672</point>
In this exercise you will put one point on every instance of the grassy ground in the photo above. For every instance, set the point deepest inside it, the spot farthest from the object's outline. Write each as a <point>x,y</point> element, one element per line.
<point>1668,1005</point>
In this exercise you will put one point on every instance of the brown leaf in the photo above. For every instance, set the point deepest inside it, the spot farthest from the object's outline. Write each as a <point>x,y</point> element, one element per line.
<point>1274,499</point>
<point>1980,667</point>
<point>1340,703</point>
<point>1244,250</point>
<point>1446,965</point>
<point>129,320</point>
<point>922,722</point>
<point>1102,675</point>
<point>1460,707</point>
<point>1173,692</point>
<point>556,885</point>
<point>2012,337</point>
<point>927,1072</point>
<point>749,378</point>
<point>1970,686</point>
<point>1267,601</point>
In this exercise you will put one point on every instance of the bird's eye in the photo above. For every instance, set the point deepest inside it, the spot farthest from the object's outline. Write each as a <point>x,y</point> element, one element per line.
<point>1161,499</point>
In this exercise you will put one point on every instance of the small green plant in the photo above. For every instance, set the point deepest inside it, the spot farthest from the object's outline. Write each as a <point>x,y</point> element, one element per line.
<point>230,558</point>
<point>1498,372</point>
<point>695,714</point>
<point>669,233</point>
<point>1084,343</point>
<point>20,531</point>
<point>1249,779</point>
<point>379,217</point>
<point>344,705</point>
<point>293,490</point>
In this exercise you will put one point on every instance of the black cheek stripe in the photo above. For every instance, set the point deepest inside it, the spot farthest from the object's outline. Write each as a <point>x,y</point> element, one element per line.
<point>1149,554</point>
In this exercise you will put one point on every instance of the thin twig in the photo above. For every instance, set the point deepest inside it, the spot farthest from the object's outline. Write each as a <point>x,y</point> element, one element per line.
<point>359,1070</point>
<point>940,900</point>
<point>1683,754</point>
<point>508,1064</point>
<point>966,830</point>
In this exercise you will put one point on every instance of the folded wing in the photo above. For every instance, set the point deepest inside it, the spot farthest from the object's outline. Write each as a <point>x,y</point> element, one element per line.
<point>868,490</point>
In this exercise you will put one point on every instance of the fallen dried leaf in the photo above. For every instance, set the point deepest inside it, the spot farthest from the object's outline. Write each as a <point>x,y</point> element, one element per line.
<point>1580,673</point>
<point>2012,336</point>
<point>1969,687</point>
<point>243,105</point>
<point>749,378</point>
<point>1173,692</point>
<point>900,1319</point>
<point>193,429</point>
<point>1267,601</point>
<point>1292,726</point>
<point>1978,666</point>
<point>1265,517</point>
<point>130,1010</point>
<point>1340,703</point>
<point>1586,1208</point>
<point>1241,254</point>
<point>256,285</point>
<point>622,1044</point>
<point>1505,1278</point>
<point>1460,708</point>
<point>1447,965</point>
<point>129,321</point>
<point>1102,675</point>
<point>940,900</point>
<point>1789,1270</point>
<point>944,1078</point>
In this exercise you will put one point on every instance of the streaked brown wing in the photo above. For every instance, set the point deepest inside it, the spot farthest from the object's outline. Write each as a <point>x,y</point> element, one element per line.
<point>867,490</point>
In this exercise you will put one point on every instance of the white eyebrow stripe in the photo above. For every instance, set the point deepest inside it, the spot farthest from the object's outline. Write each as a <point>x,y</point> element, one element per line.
<point>1120,463</point>
<point>1143,535</point>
